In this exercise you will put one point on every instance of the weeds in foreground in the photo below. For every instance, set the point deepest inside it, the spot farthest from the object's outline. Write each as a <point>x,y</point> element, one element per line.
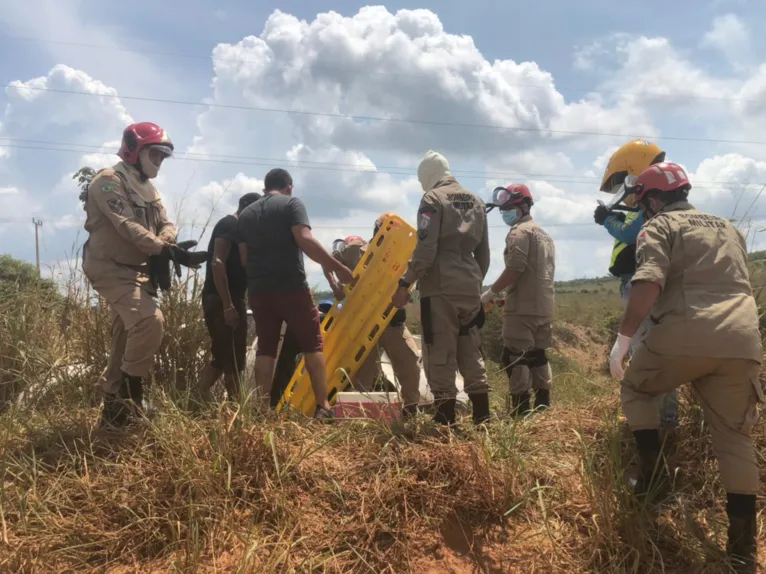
<point>226,489</point>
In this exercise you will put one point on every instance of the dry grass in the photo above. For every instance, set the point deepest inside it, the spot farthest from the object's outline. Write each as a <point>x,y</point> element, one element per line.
<point>225,490</point>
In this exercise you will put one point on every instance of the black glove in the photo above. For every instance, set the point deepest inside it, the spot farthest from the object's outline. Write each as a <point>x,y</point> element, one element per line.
<point>159,272</point>
<point>600,215</point>
<point>180,255</point>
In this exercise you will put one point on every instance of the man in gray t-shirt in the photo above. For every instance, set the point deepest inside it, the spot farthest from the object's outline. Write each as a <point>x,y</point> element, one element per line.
<point>275,233</point>
<point>275,262</point>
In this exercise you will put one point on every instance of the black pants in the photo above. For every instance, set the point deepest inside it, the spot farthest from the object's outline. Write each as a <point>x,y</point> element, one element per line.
<point>285,368</point>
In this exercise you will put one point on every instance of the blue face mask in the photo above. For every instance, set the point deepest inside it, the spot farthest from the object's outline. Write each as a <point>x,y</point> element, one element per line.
<point>510,217</point>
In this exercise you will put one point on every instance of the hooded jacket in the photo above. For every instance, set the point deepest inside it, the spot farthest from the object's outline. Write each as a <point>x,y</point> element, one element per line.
<point>452,253</point>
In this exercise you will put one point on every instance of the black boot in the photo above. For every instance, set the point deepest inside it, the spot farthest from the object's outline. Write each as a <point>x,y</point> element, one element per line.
<point>480,402</point>
<point>521,406</point>
<point>409,411</point>
<point>542,399</point>
<point>741,546</point>
<point>445,411</point>
<point>652,479</point>
<point>115,411</point>
<point>135,388</point>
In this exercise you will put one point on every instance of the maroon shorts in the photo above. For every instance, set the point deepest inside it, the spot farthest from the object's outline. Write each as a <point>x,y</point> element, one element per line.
<point>297,309</point>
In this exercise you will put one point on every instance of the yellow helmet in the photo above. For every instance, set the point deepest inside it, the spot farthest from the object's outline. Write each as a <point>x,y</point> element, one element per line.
<point>631,159</point>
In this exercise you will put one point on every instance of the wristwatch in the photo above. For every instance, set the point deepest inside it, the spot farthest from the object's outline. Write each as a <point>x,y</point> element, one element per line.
<point>403,283</point>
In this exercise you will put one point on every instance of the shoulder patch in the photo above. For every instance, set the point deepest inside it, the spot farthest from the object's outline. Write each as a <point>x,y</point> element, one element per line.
<point>108,187</point>
<point>424,219</point>
<point>116,206</point>
<point>641,239</point>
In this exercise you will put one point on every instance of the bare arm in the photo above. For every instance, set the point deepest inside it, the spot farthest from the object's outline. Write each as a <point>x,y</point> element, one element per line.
<point>243,254</point>
<point>643,296</point>
<point>335,286</point>
<point>313,249</point>
<point>221,280</point>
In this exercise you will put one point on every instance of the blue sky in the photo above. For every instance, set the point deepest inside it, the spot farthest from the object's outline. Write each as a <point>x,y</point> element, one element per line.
<point>689,71</point>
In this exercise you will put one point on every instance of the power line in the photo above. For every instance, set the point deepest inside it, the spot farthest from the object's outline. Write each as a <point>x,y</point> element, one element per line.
<point>402,170</point>
<point>212,58</point>
<point>382,119</point>
<point>323,227</point>
<point>328,167</point>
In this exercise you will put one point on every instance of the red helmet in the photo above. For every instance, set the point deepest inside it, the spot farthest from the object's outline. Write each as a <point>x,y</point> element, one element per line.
<point>664,177</point>
<point>379,222</point>
<point>138,136</point>
<point>512,196</point>
<point>339,244</point>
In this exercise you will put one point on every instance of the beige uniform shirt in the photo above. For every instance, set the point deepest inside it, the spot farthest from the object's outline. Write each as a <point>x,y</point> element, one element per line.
<point>706,307</point>
<point>530,251</point>
<point>125,217</point>
<point>350,254</point>
<point>452,253</point>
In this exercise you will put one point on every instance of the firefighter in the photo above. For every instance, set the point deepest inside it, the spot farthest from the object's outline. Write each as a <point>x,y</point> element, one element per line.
<point>529,301</point>
<point>631,159</point>
<point>449,263</point>
<point>127,223</point>
<point>396,340</point>
<point>692,277</point>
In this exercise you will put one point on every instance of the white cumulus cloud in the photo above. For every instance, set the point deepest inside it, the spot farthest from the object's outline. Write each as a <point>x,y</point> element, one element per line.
<point>424,82</point>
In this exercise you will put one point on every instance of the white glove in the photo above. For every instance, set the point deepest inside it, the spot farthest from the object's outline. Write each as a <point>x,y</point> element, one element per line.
<point>488,296</point>
<point>617,356</point>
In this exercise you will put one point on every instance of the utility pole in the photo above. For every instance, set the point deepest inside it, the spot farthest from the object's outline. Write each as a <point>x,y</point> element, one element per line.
<point>38,223</point>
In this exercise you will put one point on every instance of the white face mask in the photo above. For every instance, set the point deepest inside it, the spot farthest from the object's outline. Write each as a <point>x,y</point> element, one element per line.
<point>148,167</point>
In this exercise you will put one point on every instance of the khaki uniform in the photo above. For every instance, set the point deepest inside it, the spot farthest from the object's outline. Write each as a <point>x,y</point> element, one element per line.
<point>529,306</point>
<point>704,329</point>
<point>450,261</point>
<point>396,341</point>
<point>127,223</point>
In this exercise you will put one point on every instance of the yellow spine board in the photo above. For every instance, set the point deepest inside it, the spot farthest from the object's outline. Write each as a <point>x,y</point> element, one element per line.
<point>351,333</point>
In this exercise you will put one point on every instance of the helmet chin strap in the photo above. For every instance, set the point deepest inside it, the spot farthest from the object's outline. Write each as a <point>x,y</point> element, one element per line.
<point>646,209</point>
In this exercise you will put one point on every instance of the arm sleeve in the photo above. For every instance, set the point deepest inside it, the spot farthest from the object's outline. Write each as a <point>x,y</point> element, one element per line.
<point>110,198</point>
<point>240,230</point>
<point>482,250</point>
<point>298,215</point>
<point>625,232</point>
<point>227,229</point>
<point>653,253</point>
<point>517,250</point>
<point>167,231</point>
<point>429,230</point>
